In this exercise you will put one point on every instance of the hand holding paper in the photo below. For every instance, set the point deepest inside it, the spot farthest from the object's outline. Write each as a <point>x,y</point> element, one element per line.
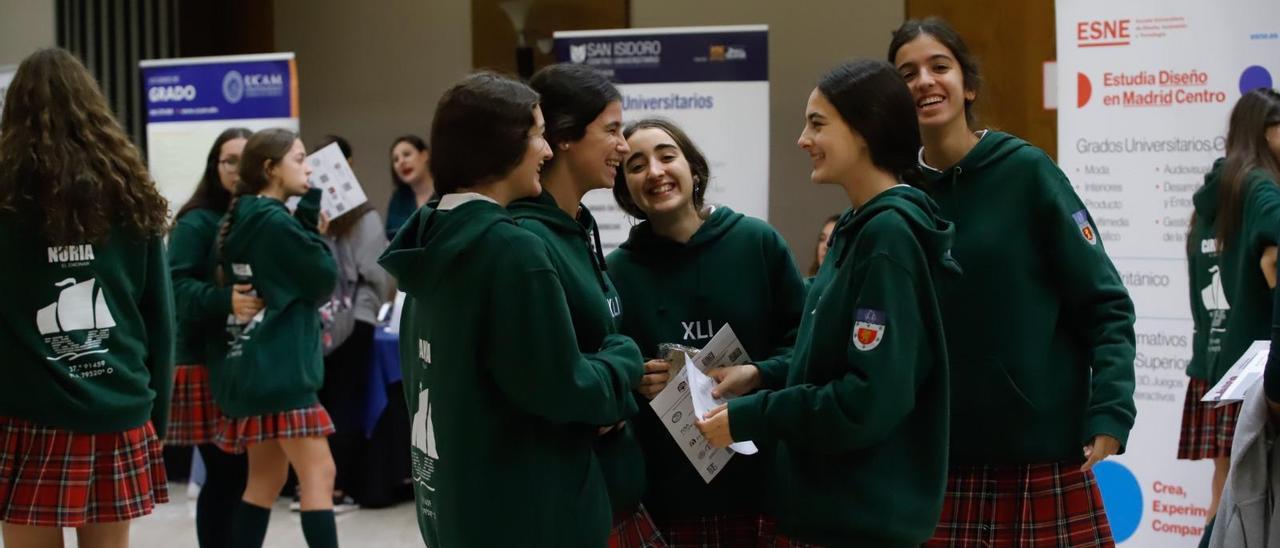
<point>701,386</point>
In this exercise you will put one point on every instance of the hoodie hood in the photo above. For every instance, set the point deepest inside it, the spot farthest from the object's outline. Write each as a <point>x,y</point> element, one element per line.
<point>1206,197</point>
<point>934,233</point>
<point>721,220</point>
<point>544,209</point>
<point>431,242</point>
<point>251,213</point>
<point>991,149</point>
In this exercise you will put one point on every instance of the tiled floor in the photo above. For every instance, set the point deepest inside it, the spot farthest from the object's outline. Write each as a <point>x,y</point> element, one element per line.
<point>172,525</point>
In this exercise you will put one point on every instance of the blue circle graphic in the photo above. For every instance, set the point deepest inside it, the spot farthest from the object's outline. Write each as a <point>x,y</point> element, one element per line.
<point>1121,496</point>
<point>1253,78</point>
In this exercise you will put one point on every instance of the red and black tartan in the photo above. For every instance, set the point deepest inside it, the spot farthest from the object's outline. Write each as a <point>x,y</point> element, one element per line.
<point>193,415</point>
<point>728,530</point>
<point>1206,429</point>
<point>57,478</point>
<point>635,530</point>
<point>1022,505</point>
<point>235,435</point>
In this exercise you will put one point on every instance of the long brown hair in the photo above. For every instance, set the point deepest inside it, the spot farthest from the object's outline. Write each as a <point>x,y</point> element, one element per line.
<point>64,156</point>
<point>264,149</point>
<point>1247,150</point>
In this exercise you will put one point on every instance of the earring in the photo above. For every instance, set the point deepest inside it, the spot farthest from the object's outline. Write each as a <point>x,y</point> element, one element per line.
<point>564,146</point>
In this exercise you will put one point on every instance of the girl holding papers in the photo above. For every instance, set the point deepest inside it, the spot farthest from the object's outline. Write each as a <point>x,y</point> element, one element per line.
<point>685,271</point>
<point>1039,329</point>
<point>861,424</point>
<point>506,409</point>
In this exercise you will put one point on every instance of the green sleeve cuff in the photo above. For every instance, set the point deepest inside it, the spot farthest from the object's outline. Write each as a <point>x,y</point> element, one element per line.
<point>746,417</point>
<point>1110,426</point>
<point>773,372</point>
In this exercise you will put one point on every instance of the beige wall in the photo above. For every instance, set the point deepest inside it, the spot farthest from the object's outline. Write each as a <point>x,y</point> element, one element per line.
<point>373,70</point>
<point>25,25</point>
<point>805,39</point>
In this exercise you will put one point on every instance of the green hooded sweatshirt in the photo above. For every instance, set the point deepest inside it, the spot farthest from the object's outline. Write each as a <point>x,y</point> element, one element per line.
<point>1248,295</point>
<point>275,362</point>
<point>202,307</point>
<point>1040,328</point>
<point>87,330</point>
<point>505,408</point>
<point>1209,308</point>
<point>734,270</point>
<point>574,246</point>
<point>862,423</point>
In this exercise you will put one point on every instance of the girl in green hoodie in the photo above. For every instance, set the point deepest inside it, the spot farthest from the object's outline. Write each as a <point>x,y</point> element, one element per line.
<point>1230,256</point>
<point>87,322</point>
<point>506,408</point>
<point>861,424</point>
<point>583,112</point>
<point>669,275</point>
<point>1039,330</point>
<point>266,371</point>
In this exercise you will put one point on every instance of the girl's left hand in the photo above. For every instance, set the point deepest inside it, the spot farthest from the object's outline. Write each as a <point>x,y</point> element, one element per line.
<point>715,427</point>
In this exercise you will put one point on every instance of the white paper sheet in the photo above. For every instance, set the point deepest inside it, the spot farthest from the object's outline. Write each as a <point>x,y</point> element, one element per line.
<point>1242,377</point>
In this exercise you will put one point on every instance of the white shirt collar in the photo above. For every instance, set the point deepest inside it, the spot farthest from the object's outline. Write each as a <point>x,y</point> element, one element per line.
<point>450,201</point>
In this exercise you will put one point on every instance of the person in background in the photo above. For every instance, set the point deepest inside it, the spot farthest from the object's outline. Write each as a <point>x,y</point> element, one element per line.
<point>202,308</point>
<point>670,276</point>
<point>824,240</point>
<point>266,372</point>
<point>1045,395</point>
<point>1236,218</point>
<point>356,239</point>
<point>412,179</point>
<point>87,323</point>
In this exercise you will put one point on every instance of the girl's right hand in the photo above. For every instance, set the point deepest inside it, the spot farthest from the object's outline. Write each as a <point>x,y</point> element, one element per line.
<point>656,375</point>
<point>243,305</point>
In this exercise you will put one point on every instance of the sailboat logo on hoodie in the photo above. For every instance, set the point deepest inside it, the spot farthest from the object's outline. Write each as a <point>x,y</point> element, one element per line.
<point>1082,221</point>
<point>868,328</point>
<point>79,308</point>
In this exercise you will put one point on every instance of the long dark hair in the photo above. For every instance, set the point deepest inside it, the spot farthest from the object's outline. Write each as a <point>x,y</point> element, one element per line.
<point>209,193</point>
<point>572,97</point>
<point>481,130</point>
<point>417,143</point>
<point>698,165</point>
<point>64,156</point>
<point>941,30</point>
<point>874,100</point>
<point>264,149</point>
<point>1247,150</point>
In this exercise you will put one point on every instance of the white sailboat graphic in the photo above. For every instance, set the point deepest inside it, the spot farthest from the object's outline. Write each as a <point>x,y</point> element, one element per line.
<point>1213,295</point>
<point>424,432</point>
<point>76,309</point>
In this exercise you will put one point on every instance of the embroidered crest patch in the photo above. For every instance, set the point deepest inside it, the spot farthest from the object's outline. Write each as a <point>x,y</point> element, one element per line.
<point>868,328</point>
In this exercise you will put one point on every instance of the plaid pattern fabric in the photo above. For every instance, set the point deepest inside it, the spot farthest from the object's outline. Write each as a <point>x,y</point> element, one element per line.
<point>1207,430</point>
<point>635,530</point>
<point>718,530</point>
<point>1022,505</point>
<point>193,415</point>
<point>57,478</point>
<point>236,435</point>
<point>781,541</point>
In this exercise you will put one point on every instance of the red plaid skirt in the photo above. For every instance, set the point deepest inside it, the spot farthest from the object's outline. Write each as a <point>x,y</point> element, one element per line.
<point>731,530</point>
<point>1206,429</point>
<point>58,478</point>
<point>1022,505</point>
<point>635,530</point>
<point>236,435</point>
<point>193,415</point>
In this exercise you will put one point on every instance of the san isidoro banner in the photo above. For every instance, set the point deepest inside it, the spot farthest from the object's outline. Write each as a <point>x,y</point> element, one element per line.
<point>190,101</point>
<point>1145,90</point>
<point>711,81</point>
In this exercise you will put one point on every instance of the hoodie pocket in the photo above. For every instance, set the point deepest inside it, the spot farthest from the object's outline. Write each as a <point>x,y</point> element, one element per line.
<point>984,389</point>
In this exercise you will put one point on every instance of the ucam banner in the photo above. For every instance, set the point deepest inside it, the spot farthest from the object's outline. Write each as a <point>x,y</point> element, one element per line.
<point>190,101</point>
<point>1145,90</point>
<point>711,81</point>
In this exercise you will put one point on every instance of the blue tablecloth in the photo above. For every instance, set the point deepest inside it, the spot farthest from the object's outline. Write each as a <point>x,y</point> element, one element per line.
<point>383,372</point>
